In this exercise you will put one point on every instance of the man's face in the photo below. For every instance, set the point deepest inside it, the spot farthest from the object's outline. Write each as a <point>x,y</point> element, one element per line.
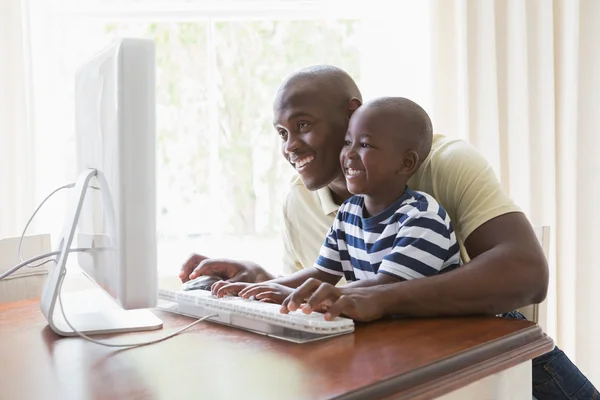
<point>371,154</point>
<point>312,126</point>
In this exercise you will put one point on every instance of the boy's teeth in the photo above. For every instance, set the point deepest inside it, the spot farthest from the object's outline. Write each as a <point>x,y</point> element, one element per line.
<point>353,171</point>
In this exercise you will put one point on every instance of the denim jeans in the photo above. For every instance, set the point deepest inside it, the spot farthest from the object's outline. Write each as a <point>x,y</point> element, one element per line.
<point>555,377</point>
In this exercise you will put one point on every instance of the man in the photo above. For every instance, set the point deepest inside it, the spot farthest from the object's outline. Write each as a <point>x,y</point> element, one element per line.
<point>504,269</point>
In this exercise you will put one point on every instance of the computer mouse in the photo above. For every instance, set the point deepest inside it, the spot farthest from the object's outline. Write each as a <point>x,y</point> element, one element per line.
<point>200,283</point>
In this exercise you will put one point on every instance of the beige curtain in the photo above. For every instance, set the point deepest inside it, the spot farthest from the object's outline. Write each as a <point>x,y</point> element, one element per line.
<point>521,81</point>
<point>16,140</point>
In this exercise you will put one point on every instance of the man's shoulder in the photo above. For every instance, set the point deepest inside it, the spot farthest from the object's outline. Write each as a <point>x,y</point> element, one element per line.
<point>444,148</point>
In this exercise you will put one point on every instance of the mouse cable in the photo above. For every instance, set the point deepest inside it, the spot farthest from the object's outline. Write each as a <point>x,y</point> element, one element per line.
<point>130,345</point>
<point>17,267</point>
<point>68,186</point>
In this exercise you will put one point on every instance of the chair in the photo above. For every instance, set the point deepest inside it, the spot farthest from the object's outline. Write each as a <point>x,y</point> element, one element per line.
<point>538,312</point>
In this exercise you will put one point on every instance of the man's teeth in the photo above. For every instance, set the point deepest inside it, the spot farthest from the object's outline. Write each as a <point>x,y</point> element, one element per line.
<point>301,163</point>
<point>352,171</point>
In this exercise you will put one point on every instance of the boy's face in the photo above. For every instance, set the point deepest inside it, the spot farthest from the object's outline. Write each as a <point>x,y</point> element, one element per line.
<point>312,127</point>
<point>372,155</point>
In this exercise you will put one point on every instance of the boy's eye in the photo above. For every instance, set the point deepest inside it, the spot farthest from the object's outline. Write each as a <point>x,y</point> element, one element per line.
<point>346,143</point>
<point>282,134</point>
<point>302,125</point>
<point>365,145</point>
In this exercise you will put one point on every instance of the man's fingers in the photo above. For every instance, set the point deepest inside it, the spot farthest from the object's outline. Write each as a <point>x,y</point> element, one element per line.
<point>325,294</point>
<point>187,267</point>
<point>213,266</point>
<point>301,293</point>
<point>343,305</point>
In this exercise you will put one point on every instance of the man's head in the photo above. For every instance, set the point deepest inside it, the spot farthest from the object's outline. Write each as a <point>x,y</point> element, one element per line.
<point>311,113</point>
<point>387,140</point>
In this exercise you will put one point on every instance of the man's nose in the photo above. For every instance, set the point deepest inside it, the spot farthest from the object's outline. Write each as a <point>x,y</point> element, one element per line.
<point>291,145</point>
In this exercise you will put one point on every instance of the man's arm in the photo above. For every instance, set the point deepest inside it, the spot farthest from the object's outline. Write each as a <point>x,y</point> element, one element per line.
<point>508,270</point>
<point>486,285</point>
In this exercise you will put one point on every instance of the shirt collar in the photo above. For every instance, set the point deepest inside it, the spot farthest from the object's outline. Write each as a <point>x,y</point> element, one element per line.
<point>327,203</point>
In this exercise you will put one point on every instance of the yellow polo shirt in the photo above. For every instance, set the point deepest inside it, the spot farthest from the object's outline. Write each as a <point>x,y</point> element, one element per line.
<point>455,173</point>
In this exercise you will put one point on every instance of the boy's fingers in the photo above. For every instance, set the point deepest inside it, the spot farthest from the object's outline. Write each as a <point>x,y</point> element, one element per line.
<point>231,288</point>
<point>216,286</point>
<point>284,305</point>
<point>253,290</point>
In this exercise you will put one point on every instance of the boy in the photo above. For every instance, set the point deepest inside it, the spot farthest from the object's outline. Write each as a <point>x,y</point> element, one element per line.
<point>386,232</point>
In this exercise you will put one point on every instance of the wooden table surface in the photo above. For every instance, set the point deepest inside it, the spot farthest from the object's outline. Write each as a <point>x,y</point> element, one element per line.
<point>407,358</point>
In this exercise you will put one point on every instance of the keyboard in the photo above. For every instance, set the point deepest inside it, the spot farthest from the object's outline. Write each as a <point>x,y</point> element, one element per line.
<point>252,315</point>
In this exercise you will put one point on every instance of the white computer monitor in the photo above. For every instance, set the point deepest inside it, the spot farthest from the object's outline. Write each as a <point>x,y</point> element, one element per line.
<point>113,209</point>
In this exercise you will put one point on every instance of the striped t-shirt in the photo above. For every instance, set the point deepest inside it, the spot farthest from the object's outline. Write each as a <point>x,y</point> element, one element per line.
<point>413,238</point>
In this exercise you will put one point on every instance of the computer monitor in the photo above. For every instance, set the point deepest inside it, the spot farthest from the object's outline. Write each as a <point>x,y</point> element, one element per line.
<point>113,211</point>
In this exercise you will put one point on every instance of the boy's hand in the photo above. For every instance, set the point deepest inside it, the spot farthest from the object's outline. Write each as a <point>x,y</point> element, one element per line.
<point>267,292</point>
<point>360,304</point>
<point>224,288</point>
<point>230,270</point>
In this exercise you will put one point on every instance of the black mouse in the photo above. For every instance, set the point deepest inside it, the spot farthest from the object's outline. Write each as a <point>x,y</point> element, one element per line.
<point>200,283</point>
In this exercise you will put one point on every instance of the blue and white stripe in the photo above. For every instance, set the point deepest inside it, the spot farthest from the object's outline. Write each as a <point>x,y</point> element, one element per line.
<point>411,239</point>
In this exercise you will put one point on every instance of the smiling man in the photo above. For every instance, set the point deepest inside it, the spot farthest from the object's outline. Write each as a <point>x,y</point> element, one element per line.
<point>504,268</point>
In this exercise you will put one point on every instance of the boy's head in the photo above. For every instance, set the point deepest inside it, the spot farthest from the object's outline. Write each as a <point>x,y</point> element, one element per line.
<point>387,140</point>
<point>311,113</point>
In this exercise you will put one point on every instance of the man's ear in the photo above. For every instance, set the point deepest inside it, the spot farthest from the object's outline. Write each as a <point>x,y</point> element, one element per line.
<point>409,163</point>
<point>353,105</point>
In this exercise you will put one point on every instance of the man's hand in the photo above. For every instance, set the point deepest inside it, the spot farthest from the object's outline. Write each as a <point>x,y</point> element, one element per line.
<point>229,270</point>
<point>360,304</point>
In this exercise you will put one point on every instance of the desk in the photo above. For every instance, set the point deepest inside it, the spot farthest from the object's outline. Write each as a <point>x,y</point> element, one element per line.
<point>416,359</point>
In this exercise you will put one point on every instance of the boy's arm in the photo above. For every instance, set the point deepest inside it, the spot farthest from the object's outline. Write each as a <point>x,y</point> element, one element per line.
<point>297,278</point>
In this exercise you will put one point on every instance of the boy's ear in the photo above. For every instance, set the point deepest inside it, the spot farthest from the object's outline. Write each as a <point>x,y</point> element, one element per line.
<point>353,105</point>
<point>409,163</point>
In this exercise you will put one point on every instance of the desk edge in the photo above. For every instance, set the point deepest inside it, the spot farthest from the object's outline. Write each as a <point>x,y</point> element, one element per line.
<point>467,367</point>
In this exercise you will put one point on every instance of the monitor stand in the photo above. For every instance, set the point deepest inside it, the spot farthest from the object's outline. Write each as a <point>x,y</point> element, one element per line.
<point>106,317</point>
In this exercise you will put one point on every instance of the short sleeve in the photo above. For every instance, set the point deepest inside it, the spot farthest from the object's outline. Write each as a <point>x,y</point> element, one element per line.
<point>465,184</point>
<point>291,264</point>
<point>424,245</point>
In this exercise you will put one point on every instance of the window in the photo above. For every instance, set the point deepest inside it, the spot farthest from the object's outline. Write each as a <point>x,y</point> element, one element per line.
<point>221,176</point>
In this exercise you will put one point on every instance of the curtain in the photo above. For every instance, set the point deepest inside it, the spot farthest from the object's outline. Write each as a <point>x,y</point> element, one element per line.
<point>16,134</point>
<point>521,81</point>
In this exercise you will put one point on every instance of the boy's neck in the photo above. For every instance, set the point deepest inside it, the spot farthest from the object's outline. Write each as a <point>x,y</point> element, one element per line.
<point>376,203</point>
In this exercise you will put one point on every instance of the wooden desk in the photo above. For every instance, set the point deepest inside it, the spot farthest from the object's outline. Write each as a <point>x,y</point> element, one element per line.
<point>414,359</point>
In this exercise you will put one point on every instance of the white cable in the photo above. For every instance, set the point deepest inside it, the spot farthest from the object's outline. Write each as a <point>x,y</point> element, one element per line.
<point>69,186</point>
<point>53,253</point>
<point>37,258</point>
<point>33,216</point>
<point>82,335</point>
